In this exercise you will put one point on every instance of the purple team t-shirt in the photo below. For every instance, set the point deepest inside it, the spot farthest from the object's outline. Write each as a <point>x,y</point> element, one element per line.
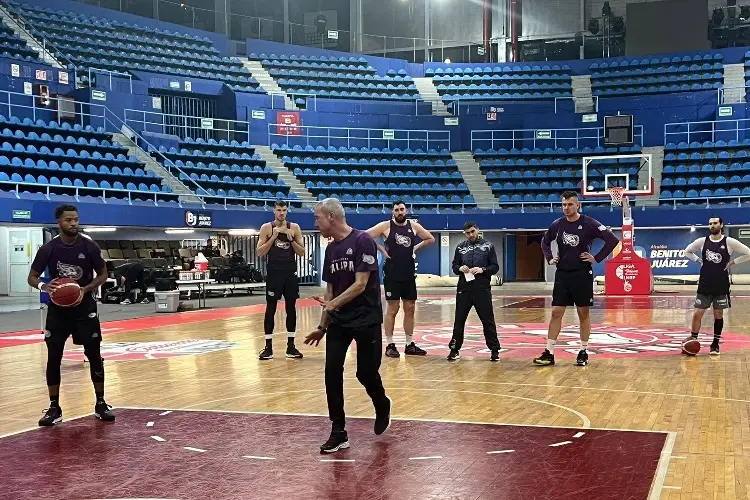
<point>78,261</point>
<point>574,238</point>
<point>354,254</point>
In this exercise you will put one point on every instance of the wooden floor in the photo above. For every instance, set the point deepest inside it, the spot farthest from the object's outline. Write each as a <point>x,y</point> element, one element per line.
<point>637,380</point>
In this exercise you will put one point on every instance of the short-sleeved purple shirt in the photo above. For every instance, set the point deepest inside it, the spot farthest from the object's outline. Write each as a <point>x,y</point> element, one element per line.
<point>78,261</point>
<point>354,254</point>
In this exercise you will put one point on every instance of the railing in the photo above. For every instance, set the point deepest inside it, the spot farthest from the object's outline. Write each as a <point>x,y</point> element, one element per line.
<point>306,135</point>
<point>105,194</point>
<point>45,44</point>
<point>720,94</point>
<point>711,130</point>
<point>675,202</point>
<point>163,123</point>
<point>543,138</point>
<point>93,71</point>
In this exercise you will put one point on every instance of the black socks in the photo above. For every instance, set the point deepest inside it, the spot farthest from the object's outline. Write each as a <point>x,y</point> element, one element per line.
<point>718,327</point>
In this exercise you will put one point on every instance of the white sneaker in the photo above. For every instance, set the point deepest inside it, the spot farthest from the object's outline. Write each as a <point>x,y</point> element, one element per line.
<point>126,302</point>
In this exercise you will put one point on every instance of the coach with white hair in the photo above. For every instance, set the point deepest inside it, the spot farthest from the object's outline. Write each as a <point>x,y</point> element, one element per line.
<point>351,311</point>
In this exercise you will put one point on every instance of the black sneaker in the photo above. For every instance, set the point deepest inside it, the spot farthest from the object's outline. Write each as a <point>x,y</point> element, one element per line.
<point>583,358</point>
<point>495,356</point>
<point>337,441</point>
<point>391,351</point>
<point>547,358</point>
<point>104,412</point>
<point>453,356</point>
<point>714,349</point>
<point>266,353</point>
<point>413,350</point>
<point>383,418</point>
<point>291,352</point>
<point>52,416</point>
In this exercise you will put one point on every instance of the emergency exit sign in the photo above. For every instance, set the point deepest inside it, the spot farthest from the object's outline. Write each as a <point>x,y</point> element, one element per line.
<point>22,214</point>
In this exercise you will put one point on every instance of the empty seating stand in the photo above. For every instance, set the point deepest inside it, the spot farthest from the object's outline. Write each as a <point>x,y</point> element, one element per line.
<point>531,82</point>
<point>87,42</point>
<point>63,162</point>
<point>375,177</point>
<point>657,75</point>
<point>11,45</point>
<point>336,77</point>
<point>225,170</point>
<point>539,176</point>
<point>694,172</point>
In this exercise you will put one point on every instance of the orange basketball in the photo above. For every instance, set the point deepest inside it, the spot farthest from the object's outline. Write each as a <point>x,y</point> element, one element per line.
<point>67,294</point>
<point>691,347</point>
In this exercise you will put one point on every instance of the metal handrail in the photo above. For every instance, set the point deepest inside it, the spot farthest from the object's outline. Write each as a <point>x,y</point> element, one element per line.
<point>541,135</point>
<point>713,130</point>
<point>107,72</point>
<point>349,138</point>
<point>244,125</point>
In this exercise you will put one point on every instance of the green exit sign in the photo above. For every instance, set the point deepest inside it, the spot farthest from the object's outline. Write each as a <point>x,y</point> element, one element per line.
<point>22,214</point>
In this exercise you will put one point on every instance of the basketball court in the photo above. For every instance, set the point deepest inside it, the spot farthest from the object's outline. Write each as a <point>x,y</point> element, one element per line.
<point>200,417</point>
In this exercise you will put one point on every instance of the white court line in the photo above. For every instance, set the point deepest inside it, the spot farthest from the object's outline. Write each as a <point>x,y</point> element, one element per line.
<point>436,457</point>
<point>158,438</point>
<point>661,470</point>
<point>561,443</point>
<point>190,448</point>
<point>500,451</point>
<point>672,487</point>
<point>586,421</point>
<point>336,460</point>
<point>397,419</point>
<point>258,458</point>
<point>675,457</point>
<point>165,413</point>
<point>578,434</point>
<point>149,424</point>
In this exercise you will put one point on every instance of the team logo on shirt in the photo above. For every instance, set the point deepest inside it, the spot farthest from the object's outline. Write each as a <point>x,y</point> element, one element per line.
<point>69,271</point>
<point>482,246</point>
<point>284,245</point>
<point>402,240</point>
<point>81,256</point>
<point>714,257</point>
<point>349,251</point>
<point>368,259</point>
<point>571,239</point>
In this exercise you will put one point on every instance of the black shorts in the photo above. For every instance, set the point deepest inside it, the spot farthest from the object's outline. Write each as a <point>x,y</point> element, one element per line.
<point>400,290</point>
<point>716,301</point>
<point>573,288</point>
<point>281,283</point>
<point>82,322</point>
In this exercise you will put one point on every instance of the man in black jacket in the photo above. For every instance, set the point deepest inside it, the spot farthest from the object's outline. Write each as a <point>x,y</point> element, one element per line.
<point>475,262</point>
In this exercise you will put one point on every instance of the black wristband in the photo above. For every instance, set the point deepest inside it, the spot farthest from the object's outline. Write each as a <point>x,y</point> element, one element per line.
<point>322,328</point>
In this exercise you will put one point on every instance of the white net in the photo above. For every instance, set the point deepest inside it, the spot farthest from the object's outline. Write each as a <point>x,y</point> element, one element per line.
<point>616,194</point>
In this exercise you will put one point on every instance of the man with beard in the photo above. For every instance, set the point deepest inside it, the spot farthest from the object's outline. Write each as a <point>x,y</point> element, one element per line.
<point>713,253</point>
<point>399,278</point>
<point>351,312</point>
<point>76,256</point>
<point>281,241</point>
<point>574,279</point>
<point>475,261</point>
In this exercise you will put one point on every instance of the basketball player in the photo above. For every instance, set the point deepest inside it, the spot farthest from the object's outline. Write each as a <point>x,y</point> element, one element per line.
<point>281,241</point>
<point>399,278</point>
<point>574,278</point>
<point>475,262</point>
<point>76,256</point>
<point>351,311</point>
<point>714,253</point>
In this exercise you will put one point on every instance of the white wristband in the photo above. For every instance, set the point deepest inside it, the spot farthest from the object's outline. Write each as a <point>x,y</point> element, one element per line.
<point>39,286</point>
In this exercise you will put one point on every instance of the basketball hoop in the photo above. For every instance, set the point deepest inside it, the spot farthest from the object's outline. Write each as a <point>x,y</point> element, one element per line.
<point>616,194</point>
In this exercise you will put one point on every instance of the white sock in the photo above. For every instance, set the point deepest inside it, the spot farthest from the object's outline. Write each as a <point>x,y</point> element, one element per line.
<point>551,345</point>
<point>409,339</point>
<point>290,335</point>
<point>268,337</point>
<point>389,338</point>
<point>584,345</point>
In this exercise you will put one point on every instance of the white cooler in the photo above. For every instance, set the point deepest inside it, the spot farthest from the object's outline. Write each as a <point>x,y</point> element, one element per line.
<point>167,302</point>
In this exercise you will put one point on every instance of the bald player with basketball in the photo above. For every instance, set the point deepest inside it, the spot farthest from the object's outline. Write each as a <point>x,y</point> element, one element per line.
<point>399,273</point>
<point>574,278</point>
<point>75,256</point>
<point>714,254</point>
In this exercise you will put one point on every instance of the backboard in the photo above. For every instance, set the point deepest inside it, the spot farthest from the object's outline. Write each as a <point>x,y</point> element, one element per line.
<point>632,172</point>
